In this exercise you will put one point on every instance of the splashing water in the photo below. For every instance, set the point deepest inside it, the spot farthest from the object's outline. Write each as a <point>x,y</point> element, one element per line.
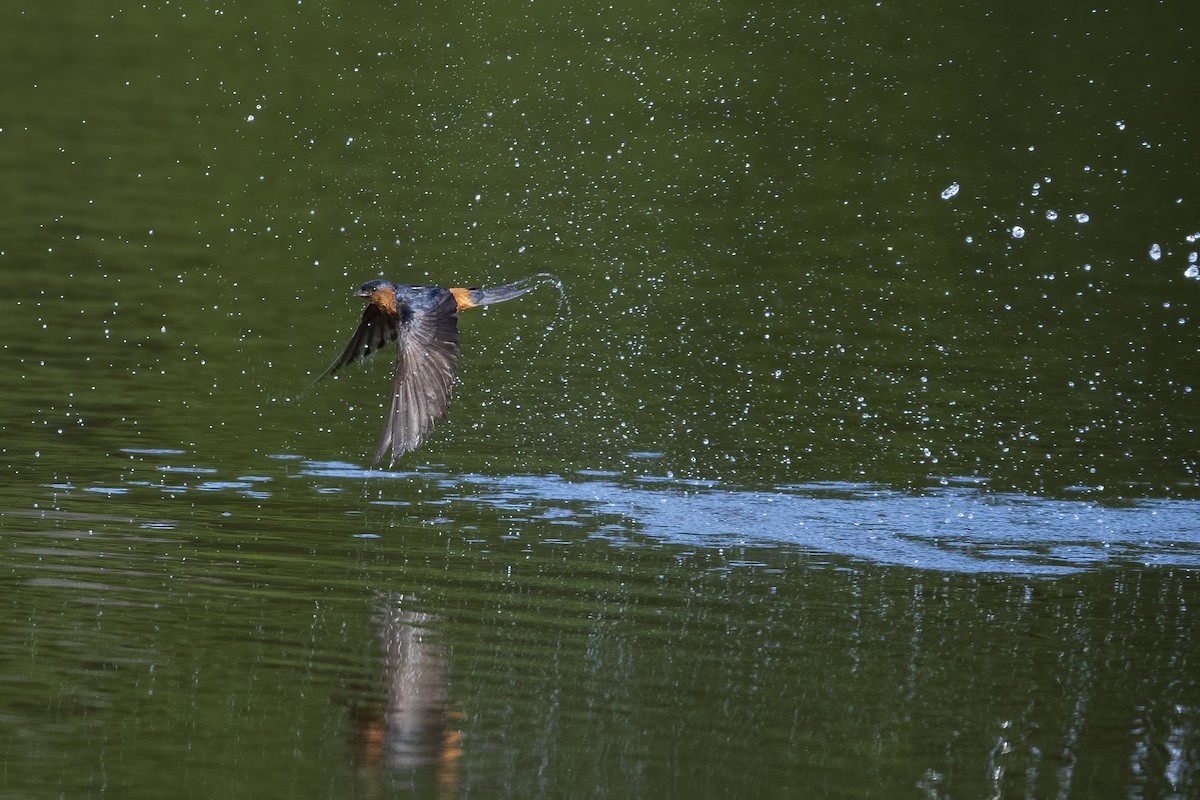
<point>547,279</point>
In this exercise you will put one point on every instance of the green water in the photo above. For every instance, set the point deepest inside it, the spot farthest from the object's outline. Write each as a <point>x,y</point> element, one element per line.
<point>860,460</point>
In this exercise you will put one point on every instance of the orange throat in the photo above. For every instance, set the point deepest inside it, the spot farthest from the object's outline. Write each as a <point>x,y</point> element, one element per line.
<point>384,298</point>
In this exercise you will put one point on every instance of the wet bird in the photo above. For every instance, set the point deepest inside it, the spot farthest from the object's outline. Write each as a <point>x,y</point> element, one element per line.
<point>423,322</point>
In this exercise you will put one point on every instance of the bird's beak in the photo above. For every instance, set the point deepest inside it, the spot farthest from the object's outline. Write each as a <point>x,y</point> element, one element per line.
<point>362,293</point>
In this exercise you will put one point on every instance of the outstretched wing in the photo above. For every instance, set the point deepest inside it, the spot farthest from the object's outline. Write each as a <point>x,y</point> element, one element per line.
<point>426,357</point>
<point>376,329</point>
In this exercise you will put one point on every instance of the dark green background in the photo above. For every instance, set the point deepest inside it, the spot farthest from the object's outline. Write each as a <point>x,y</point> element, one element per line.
<point>817,483</point>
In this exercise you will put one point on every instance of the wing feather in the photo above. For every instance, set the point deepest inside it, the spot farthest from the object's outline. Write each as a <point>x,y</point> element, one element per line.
<point>426,358</point>
<point>375,329</point>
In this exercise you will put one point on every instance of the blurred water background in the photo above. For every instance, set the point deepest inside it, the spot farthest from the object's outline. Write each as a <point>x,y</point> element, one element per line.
<point>861,460</point>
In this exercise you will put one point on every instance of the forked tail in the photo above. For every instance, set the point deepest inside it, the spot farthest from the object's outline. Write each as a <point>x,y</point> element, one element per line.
<point>470,298</point>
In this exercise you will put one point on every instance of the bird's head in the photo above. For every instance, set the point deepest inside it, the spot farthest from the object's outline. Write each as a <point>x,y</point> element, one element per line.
<point>370,288</point>
<point>379,293</point>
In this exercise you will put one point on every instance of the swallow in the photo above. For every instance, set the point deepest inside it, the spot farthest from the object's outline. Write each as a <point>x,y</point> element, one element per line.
<point>423,322</point>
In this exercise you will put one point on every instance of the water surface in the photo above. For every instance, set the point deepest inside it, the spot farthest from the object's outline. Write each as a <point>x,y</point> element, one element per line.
<point>861,461</point>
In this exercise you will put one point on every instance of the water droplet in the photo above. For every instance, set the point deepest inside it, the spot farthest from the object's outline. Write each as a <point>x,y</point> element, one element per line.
<point>1082,218</point>
<point>1155,252</point>
<point>950,191</point>
<point>1017,232</point>
<point>1052,215</point>
<point>1192,272</point>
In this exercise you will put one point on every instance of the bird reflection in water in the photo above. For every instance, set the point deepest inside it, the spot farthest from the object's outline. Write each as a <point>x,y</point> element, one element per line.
<point>414,733</point>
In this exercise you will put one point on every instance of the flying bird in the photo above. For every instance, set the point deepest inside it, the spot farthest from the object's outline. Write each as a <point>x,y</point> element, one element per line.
<point>423,322</point>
